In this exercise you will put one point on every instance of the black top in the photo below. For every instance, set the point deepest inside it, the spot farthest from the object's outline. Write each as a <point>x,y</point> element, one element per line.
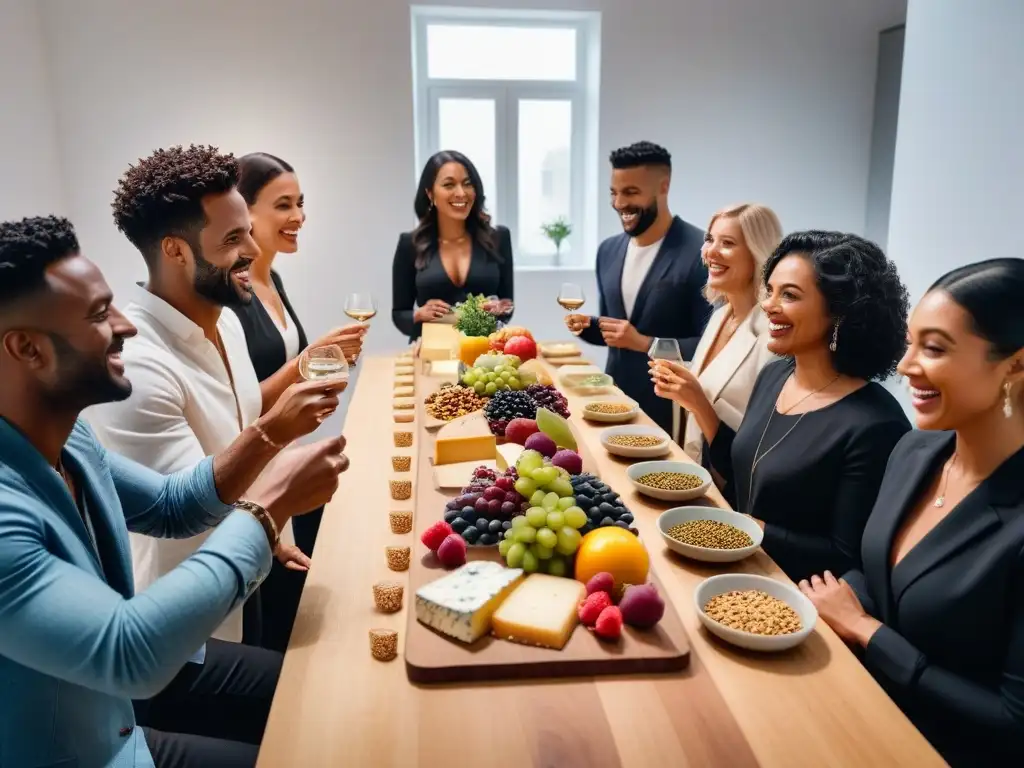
<point>266,347</point>
<point>410,286</point>
<point>951,648</point>
<point>815,488</point>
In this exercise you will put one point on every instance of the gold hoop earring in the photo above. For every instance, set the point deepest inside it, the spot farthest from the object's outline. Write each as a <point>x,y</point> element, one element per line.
<point>1007,401</point>
<point>835,339</point>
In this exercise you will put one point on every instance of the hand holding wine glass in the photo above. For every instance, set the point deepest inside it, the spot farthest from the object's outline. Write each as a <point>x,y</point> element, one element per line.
<point>324,363</point>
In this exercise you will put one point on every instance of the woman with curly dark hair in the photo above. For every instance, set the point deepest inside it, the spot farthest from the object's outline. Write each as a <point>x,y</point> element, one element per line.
<point>453,252</point>
<point>810,453</point>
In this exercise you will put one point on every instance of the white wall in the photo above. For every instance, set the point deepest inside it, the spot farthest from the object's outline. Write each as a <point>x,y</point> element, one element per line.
<point>959,164</point>
<point>31,184</point>
<point>770,101</point>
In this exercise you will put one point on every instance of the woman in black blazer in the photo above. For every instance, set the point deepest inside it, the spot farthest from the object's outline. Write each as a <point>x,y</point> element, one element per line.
<point>275,338</point>
<point>938,608</point>
<point>453,252</point>
<point>810,452</point>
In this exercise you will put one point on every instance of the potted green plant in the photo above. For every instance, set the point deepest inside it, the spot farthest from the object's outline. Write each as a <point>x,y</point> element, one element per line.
<point>557,231</point>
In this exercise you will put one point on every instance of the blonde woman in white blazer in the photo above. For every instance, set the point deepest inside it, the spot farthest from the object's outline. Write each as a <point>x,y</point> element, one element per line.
<point>716,385</point>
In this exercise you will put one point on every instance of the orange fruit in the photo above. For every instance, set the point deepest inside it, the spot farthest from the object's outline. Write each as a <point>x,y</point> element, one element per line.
<point>613,550</point>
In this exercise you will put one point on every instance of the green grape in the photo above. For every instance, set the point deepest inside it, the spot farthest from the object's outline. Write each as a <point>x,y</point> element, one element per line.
<point>515,385</point>
<point>557,566</point>
<point>560,485</point>
<point>504,546</point>
<point>514,558</point>
<point>491,376</point>
<point>547,538</point>
<point>530,562</point>
<point>555,520</point>
<point>491,388</point>
<point>506,376</point>
<point>526,534</point>
<point>525,487</point>
<point>568,540</point>
<point>469,379</point>
<point>544,553</point>
<point>575,517</point>
<point>537,517</point>
<point>537,499</point>
<point>551,501</point>
<point>565,502</point>
<point>529,460</point>
<point>518,521</point>
<point>479,387</point>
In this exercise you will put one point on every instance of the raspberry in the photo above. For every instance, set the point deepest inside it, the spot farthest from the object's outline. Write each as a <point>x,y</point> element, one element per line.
<point>435,534</point>
<point>609,623</point>
<point>592,607</point>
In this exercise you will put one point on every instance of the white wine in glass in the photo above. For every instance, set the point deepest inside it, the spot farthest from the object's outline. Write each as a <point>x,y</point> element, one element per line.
<point>326,362</point>
<point>570,297</point>
<point>361,307</point>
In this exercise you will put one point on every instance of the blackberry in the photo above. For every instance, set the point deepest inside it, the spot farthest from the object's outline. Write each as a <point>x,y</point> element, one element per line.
<point>506,405</point>
<point>550,398</point>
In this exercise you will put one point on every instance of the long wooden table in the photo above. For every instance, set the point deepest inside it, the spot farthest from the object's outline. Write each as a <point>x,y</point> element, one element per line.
<point>814,706</point>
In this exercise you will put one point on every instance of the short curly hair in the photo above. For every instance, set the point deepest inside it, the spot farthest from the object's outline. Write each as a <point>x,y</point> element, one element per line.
<point>864,295</point>
<point>640,154</point>
<point>162,195</point>
<point>27,248</point>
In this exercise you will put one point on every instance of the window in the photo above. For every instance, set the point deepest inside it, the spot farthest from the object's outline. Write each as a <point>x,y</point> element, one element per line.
<point>516,92</point>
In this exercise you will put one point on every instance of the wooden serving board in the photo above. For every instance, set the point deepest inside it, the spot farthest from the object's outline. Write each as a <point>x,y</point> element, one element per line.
<point>431,657</point>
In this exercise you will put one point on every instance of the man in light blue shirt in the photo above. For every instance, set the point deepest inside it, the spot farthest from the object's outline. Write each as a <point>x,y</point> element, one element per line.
<point>76,642</point>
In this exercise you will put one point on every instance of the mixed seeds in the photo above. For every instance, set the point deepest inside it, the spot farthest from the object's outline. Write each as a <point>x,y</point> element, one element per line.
<point>635,441</point>
<point>452,402</point>
<point>611,409</point>
<point>710,534</point>
<point>671,481</point>
<point>753,611</point>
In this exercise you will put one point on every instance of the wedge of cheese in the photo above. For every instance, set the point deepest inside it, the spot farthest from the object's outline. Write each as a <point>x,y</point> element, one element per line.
<point>508,455</point>
<point>448,476</point>
<point>404,381</point>
<point>461,604</point>
<point>467,438</point>
<point>445,370</point>
<point>440,341</point>
<point>542,611</point>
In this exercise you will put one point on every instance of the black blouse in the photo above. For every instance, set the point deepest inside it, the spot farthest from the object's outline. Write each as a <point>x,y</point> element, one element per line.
<point>266,347</point>
<point>816,481</point>
<point>411,286</point>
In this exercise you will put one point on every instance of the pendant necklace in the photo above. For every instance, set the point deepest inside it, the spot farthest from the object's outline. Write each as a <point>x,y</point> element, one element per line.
<point>941,500</point>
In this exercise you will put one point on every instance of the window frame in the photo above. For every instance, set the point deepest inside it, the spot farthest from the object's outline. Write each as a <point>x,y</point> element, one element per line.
<point>507,95</point>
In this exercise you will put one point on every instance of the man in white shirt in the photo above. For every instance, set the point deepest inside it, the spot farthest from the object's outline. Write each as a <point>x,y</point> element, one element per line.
<point>650,278</point>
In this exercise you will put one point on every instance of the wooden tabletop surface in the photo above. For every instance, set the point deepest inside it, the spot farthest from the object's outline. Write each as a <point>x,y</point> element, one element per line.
<point>335,705</point>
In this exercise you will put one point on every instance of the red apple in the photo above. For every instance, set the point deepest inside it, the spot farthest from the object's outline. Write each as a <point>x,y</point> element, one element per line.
<point>522,347</point>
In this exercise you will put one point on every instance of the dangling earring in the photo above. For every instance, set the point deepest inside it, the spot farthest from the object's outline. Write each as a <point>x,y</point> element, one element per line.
<point>835,338</point>
<point>1007,401</point>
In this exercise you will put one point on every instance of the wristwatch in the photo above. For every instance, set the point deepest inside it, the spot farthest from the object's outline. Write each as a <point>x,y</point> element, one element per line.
<point>264,519</point>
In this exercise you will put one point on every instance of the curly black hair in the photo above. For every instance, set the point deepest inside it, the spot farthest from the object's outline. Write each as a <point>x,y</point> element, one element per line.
<point>27,248</point>
<point>162,196</point>
<point>864,295</point>
<point>640,154</point>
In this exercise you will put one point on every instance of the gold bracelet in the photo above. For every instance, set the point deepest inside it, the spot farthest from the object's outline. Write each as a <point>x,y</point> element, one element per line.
<point>266,438</point>
<point>263,518</point>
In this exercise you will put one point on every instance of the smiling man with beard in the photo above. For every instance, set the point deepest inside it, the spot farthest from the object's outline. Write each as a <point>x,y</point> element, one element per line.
<point>650,278</point>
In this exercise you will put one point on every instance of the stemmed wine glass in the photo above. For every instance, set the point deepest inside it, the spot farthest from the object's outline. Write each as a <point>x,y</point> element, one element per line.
<point>570,297</point>
<point>361,307</point>
<point>668,349</point>
<point>327,362</point>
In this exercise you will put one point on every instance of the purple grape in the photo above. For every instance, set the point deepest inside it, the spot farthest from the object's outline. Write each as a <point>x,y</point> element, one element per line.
<point>512,497</point>
<point>508,508</point>
<point>493,493</point>
<point>494,506</point>
<point>453,504</point>
<point>481,505</point>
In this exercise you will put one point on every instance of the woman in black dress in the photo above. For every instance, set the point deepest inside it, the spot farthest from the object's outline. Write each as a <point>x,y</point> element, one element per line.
<point>809,455</point>
<point>453,252</point>
<point>937,611</point>
<point>275,338</point>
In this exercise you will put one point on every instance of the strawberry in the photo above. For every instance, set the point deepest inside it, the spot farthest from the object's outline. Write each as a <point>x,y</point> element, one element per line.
<point>435,534</point>
<point>609,623</point>
<point>590,609</point>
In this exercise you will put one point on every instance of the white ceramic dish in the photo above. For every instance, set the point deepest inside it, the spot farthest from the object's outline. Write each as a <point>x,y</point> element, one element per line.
<point>632,452</point>
<point>611,418</point>
<point>635,472</point>
<point>680,515</point>
<point>727,582</point>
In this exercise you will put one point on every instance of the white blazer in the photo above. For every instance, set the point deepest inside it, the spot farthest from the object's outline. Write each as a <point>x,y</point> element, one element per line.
<point>729,379</point>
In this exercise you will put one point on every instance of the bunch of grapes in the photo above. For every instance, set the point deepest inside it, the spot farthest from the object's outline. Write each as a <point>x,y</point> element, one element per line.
<point>550,398</point>
<point>484,508</point>
<point>506,405</point>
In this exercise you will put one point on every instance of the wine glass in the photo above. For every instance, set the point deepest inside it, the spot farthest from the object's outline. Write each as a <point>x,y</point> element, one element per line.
<point>327,362</point>
<point>665,349</point>
<point>570,297</point>
<point>361,307</point>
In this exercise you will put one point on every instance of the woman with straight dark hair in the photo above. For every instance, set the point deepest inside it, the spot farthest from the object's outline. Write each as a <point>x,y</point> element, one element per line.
<point>937,609</point>
<point>275,338</point>
<point>453,252</point>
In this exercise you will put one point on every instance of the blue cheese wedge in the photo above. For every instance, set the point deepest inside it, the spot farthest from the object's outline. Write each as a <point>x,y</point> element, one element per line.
<point>461,604</point>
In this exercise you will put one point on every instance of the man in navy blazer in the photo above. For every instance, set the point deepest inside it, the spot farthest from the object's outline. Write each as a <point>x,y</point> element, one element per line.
<point>651,278</point>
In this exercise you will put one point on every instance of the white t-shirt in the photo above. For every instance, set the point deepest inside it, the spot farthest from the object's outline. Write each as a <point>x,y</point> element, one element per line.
<point>289,333</point>
<point>182,409</point>
<point>638,262</point>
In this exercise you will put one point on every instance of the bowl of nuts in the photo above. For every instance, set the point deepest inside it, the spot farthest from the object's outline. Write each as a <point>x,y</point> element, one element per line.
<point>611,411</point>
<point>710,534</point>
<point>754,612</point>
<point>636,442</point>
<point>670,480</point>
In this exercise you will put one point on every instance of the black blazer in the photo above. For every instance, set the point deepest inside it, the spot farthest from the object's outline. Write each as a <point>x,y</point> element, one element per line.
<point>410,286</point>
<point>670,303</point>
<point>266,347</point>
<point>951,651</point>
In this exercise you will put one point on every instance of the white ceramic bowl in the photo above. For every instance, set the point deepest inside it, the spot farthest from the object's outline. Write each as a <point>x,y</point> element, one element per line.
<point>637,471</point>
<point>610,418</point>
<point>680,515</point>
<point>727,582</point>
<point>632,452</point>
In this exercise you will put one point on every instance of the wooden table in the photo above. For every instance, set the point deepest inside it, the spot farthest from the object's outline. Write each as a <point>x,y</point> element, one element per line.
<point>814,706</point>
